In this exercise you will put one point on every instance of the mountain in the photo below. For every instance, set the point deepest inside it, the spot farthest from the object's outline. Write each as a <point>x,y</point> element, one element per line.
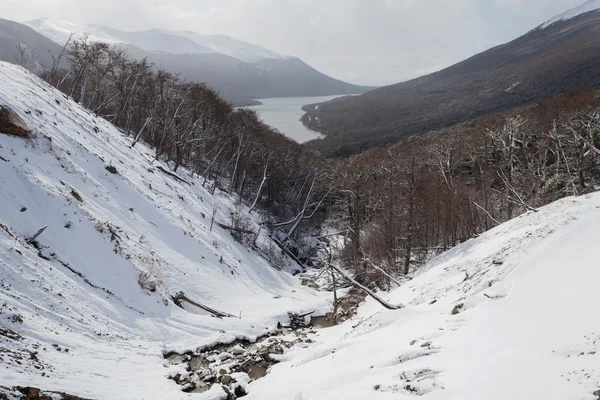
<point>554,58</point>
<point>37,46</point>
<point>240,71</point>
<point>229,46</point>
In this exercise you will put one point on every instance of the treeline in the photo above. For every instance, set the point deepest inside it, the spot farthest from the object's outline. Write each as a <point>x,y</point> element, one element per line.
<point>188,124</point>
<point>422,196</point>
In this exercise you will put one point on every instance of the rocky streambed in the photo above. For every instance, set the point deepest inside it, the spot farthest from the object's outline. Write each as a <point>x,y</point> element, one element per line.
<point>235,365</point>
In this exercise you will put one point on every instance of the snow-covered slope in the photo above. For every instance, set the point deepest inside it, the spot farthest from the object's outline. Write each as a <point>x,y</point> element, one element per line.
<point>512,314</point>
<point>235,48</point>
<point>59,31</point>
<point>177,42</point>
<point>588,6</point>
<point>79,289</point>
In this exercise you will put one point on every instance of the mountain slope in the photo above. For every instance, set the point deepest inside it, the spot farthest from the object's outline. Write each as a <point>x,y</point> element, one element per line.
<point>240,71</point>
<point>229,46</point>
<point>508,315</point>
<point>543,63</point>
<point>78,285</point>
<point>37,46</point>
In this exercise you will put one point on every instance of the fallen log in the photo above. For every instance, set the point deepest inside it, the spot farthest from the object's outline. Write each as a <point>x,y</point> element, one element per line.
<point>231,228</point>
<point>287,251</point>
<point>180,297</point>
<point>35,235</point>
<point>366,290</point>
<point>160,168</point>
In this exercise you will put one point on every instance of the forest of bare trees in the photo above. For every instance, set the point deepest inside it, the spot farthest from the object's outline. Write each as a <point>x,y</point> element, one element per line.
<point>396,206</point>
<point>422,196</point>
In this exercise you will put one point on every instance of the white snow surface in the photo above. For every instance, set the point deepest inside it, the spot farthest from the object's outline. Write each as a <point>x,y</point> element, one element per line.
<point>588,6</point>
<point>59,30</point>
<point>115,331</point>
<point>529,327</point>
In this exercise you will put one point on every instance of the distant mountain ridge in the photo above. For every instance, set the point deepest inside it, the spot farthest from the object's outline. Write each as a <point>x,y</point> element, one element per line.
<point>38,48</point>
<point>553,58</point>
<point>239,70</point>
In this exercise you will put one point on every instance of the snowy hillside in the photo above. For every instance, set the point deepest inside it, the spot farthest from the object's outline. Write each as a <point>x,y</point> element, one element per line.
<point>588,6</point>
<point>512,314</point>
<point>235,48</point>
<point>73,316</point>
<point>59,31</point>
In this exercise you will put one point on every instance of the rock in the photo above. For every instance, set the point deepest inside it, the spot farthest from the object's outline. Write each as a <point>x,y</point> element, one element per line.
<point>76,194</point>
<point>222,371</point>
<point>198,363</point>
<point>239,391</point>
<point>237,350</point>
<point>226,379</point>
<point>11,124</point>
<point>426,344</point>
<point>457,308</point>
<point>23,209</point>
<point>413,342</point>
<point>112,169</point>
<point>32,393</point>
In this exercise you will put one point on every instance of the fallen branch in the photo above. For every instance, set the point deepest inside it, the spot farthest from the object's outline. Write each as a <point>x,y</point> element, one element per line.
<point>180,297</point>
<point>231,228</point>
<point>305,314</point>
<point>332,234</point>
<point>286,250</point>
<point>35,236</point>
<point>383,272</point>
<point>366,290</point>
<point>160,168</point>
<point>487,213</point>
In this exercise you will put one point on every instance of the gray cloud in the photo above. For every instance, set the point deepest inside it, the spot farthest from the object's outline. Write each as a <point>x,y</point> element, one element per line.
<point>362,41</point>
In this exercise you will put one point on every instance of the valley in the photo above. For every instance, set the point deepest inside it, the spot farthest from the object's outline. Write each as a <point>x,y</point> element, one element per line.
<point>188,215</point>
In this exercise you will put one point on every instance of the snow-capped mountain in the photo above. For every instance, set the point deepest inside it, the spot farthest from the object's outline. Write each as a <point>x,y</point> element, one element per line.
<point>59,31</point>
<point>229,46</point>
<point>38,48</point>
<point>157,40</point>
<point>588,6</point>
<point>240,71</point>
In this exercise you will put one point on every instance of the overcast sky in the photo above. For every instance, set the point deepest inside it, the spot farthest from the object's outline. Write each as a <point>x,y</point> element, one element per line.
<point>362,41</point>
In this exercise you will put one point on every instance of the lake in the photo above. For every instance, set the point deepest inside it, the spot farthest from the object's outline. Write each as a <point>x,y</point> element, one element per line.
<point>284,114</point>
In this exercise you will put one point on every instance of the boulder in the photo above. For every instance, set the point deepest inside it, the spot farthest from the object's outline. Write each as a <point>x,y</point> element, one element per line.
<point>11,124</point>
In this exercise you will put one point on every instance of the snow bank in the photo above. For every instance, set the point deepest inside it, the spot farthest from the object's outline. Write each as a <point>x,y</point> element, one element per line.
<point>512,314</point>
<point>79,289</point>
